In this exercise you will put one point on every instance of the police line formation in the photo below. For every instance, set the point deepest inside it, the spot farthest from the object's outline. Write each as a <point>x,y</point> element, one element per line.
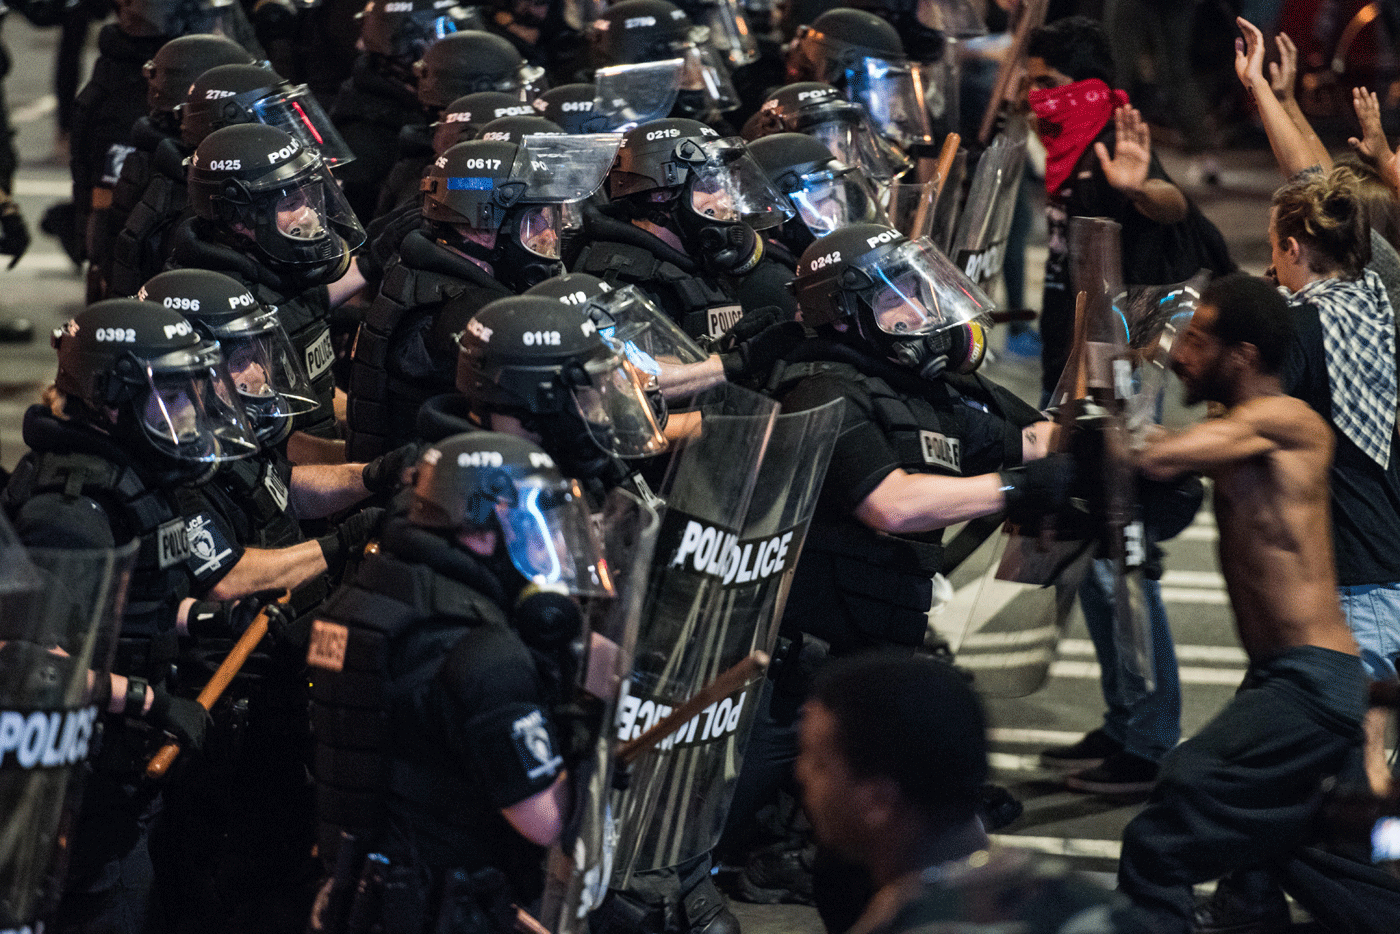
<point>468,453</point>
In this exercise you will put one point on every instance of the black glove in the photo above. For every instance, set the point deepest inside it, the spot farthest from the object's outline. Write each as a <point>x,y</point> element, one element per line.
<point>183,719</point>
<point>349,539</point>
<point>1039,488</point>
<point>386,472</point>
<point>14,233</point>
<point>227,619</point>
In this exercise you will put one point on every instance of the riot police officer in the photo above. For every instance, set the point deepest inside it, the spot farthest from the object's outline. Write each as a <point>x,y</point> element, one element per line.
<point>268,213</point>
<point>155,142</point>
<point>379,98</point>
<point>436,676</point>
<point>683,225</point>
<point>141,408</point>
<point>484,236</point>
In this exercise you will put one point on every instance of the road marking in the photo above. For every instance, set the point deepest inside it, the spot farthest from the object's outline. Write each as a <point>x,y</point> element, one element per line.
<point>1190,674</point>
<point>39,107</point>
<point>43,187</point>
<point>1062,846</point>
<point>45,262</point>
<point>1219,654</point>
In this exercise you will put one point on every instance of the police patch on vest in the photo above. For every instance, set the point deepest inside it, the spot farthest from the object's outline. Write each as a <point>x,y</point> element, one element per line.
<point>941,450</point>
<point>44,739</point>
<point>320,354</point>
<point>112,162</point>
<point>172,544</point>
<point>327,647</point>
<point>722,318</point>
<point>533,745</point>
<point>276,486</point>
<point>209,549</point>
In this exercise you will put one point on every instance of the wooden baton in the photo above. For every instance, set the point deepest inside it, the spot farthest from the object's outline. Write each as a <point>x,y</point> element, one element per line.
<point>725,683</point>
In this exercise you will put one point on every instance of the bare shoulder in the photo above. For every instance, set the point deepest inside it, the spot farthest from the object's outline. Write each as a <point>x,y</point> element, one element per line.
<point>1286,421</point>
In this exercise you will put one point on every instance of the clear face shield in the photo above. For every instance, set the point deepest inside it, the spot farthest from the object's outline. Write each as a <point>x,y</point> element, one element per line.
<point>847,132</point>
<point>544,227</point>
<point>298,113</point>
<point>836,197</point>
<point>893,93</point>
<point>306,214</point>
<point>649,339</point>
<point>191,412</point>
<point>705,76</point>
<point>615,407</point>
<point>917,291</point>
<point>730,34</point>
<point>267,373</point>
<point>730,187</point>
<point>630,95</point>
<point>549,536</point>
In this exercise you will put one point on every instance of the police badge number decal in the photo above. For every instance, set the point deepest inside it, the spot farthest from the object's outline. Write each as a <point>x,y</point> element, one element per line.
<point>941,450</point>
<point>209,549</point>
<point>533,745</point>
<point>173,542</point>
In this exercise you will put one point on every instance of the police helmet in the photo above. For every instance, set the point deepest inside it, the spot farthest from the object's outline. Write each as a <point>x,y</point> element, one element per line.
<point>514,129</point>
<point>177,17</point>
<point>463,119</point>
<point>265,188</point>
<point>266,371</point>
<point>900,298</point>
<point>467,62</point>
<point>486,480</point>
<point>574,107</point>
<point>837,41</point>
<point>176,65</point>
<point>400,31</point>
<point>146,374</point>
<point>826,193</point>
<point>820,111</point>
<point>546,363</point>
<point>636,31</point>
<point>229,95</point>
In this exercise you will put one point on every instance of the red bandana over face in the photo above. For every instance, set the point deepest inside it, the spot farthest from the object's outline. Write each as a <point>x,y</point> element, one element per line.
<point>1067,120</point>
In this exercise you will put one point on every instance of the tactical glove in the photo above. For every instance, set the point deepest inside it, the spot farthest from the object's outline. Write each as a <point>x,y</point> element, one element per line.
<point>1039,488</point>
<point>349,539</point>
<point>181,718</point>
<point>386,472</point>
<point>749,349</point>
<point>227,619</point>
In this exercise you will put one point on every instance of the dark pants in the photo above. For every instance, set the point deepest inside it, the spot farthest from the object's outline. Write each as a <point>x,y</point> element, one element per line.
<point>1244,790</point>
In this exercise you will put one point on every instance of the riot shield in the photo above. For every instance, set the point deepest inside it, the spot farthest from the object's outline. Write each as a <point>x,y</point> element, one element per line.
<point>1156,315</point>
<point>580,864</point>
<point>630,95</point>
<point>59,615</point>
<point>738,506</point>
<point>979,246</point>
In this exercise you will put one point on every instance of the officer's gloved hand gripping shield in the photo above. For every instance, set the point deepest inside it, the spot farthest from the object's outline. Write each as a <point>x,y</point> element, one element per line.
<point>60,610</point>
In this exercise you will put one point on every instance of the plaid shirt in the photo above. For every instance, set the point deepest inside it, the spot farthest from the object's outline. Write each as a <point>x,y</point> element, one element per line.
<point>1358,341</point>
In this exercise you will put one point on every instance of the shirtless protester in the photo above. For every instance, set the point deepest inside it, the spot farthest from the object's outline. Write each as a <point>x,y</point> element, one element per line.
<point>1241,793</point>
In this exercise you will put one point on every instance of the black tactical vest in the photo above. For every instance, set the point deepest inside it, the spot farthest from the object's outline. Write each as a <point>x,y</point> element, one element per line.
<point>142,244</point>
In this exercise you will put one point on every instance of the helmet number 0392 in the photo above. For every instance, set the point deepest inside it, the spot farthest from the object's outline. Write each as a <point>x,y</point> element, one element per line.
<point>117,335</point>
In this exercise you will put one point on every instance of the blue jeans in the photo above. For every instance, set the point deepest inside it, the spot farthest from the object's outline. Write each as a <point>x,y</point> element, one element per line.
<point>1373,613</point>
<point>1147,725</point>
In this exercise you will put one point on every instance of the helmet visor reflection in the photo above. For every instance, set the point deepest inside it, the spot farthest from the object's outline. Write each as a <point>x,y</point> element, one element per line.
<point>191,413</point>
<point>730,186</point>
<point>615,408</point>
<point>830,200</point>
<point>549,537</point>
<point>917,290</point>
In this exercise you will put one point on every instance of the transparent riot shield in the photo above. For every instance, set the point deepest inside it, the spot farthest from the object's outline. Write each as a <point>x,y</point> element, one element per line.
<point>59,615</point>
<point>979,246</point>
<point>1156,316</point>
<point>716,596</point>
<point>580,864</point>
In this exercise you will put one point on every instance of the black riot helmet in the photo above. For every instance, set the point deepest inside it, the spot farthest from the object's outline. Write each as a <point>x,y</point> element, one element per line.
<point>545,363</point>
<point>144,374</point>
<point>820,111</point>
<point>862,54</point>
<point>463,119</point>
<point>484,480</point>
<point>574,107</point>
<point>229,95</point>
<point>680,174</point>
<point>177,17</point>
<point>473,185</point>
<point>899,298</point>
<point>176,65</point>
<point>826,193</point>
<point>514,129</point>
<point>644,33</point>
<point>635,31</point>
<point>466,62</point>
<point>266,371</point>
<point>270,194</point>
<point>398,32</point>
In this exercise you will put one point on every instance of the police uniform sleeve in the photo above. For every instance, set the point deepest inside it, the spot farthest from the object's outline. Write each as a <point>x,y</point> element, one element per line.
<point>214,547</point>
<point>494,715</point>
<point>863,455</point>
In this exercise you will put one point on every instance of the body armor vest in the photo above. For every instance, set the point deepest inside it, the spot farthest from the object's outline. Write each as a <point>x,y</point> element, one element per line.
<point>883,582</point>
<point>619,252</point>
<point>142,243</point>
<point>363,658</point>
<point>384,400</point>
<point>152,515</point>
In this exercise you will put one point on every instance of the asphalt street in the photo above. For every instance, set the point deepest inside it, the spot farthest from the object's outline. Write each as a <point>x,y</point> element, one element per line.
<point>46,288</point>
